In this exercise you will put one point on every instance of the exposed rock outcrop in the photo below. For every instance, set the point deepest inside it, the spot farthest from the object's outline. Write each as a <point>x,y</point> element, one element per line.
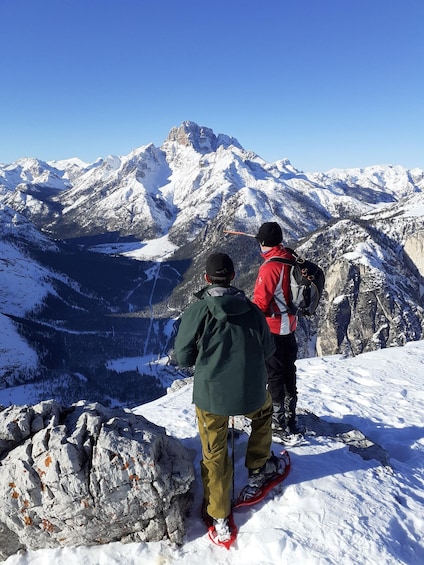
<point>86,475</point>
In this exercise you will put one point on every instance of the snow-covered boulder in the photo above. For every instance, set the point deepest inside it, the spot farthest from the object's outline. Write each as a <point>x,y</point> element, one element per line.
<point>86,475</point>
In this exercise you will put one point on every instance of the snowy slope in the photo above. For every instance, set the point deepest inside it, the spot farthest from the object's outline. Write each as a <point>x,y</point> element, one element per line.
<point>24,285</point>
<point>335,507</point>
<point>24,281</point>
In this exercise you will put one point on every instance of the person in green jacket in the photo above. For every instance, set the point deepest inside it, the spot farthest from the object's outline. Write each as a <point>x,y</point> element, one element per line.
<point>227,340</point>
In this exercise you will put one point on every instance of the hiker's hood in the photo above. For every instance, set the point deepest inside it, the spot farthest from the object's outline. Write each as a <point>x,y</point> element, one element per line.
<point>224,301</point>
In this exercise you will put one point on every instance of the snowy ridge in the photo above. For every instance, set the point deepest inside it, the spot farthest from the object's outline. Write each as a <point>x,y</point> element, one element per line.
<point>34,172</point>
<point>193,178</point>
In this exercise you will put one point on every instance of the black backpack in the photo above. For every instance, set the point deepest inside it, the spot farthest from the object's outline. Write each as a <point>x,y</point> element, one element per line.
<point>307,283</point>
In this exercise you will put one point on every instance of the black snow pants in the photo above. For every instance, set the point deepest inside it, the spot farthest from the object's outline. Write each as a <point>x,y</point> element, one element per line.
<point>282,380</point>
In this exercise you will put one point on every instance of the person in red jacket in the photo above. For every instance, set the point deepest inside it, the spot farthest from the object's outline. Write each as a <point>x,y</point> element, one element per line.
<point>272,295</point>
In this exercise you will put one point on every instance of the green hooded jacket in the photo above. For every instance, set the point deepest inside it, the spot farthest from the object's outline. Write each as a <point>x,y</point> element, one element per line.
<point>226,337</point>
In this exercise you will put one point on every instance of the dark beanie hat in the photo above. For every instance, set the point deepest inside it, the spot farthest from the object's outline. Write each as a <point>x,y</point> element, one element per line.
<point>269,234</point>
<point>219,265</point>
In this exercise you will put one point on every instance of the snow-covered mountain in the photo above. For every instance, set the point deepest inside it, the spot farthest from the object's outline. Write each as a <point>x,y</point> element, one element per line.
<point>193,177</point>
<point>167,208</point>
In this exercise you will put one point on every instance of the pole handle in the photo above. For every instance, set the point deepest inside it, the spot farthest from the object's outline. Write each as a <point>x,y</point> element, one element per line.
<point>238,233</point>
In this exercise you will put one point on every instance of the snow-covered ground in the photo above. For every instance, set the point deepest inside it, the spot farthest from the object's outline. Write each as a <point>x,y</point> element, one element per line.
<point>335,507</point>
<point>157,249</point>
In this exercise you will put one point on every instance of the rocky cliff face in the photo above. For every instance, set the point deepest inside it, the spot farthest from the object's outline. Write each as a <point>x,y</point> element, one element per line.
<point>373,293</point>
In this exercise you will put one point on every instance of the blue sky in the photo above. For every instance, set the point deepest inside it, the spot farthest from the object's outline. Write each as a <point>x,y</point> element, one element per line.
<point>324,83</point>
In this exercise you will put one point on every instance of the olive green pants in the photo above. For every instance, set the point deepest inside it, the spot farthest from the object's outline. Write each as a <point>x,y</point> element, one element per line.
<point>216,469</point>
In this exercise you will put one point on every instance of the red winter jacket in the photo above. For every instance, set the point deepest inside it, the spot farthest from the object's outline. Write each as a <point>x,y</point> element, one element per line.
<point>272,291</point>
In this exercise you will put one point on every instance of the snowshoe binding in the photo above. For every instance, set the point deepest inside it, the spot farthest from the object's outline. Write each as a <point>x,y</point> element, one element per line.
<point>221,531</point>
<point>263,480</point>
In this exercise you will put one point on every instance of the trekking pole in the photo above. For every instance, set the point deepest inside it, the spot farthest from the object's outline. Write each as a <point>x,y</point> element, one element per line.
<point>232,456</point>
<point>239,233</point>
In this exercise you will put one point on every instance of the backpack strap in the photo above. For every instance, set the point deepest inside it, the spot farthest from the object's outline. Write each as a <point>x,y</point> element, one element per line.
<point>291,262</point>
<point>289,308</point>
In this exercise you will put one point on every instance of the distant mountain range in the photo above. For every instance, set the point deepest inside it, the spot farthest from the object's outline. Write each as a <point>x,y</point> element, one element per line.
<point>98,260</point>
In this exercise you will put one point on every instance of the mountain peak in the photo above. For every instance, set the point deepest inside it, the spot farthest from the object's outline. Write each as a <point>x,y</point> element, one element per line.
<point>201,138</point>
